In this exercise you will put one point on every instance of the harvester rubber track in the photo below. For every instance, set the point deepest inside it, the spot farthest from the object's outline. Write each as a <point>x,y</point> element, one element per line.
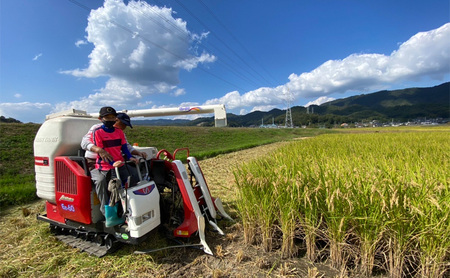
<point>89,247</point>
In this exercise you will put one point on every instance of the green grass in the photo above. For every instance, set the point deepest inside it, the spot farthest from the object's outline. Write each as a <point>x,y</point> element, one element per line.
<point>16,190</point>
<point>17,184</point>
<point>204,142</point>
<point>16,148</point>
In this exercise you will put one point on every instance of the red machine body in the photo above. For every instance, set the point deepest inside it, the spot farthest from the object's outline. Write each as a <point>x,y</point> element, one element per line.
<point>72,191</point>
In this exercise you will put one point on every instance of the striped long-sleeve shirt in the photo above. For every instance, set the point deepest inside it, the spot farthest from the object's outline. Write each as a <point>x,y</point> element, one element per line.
<point>113,141</point>
<point>87,143</point>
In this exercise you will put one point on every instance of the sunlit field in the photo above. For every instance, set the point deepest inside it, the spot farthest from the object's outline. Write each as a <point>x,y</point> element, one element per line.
<point>369,203</point>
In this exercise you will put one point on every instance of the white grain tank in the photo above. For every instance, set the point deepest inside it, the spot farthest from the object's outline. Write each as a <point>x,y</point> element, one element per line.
<point>59,135</point>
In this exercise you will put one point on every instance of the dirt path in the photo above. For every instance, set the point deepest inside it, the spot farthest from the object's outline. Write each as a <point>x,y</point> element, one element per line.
<point>218,171</point>
<point>233,258</point>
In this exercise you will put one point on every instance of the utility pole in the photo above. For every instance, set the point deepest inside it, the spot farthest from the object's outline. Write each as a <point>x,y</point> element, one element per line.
<point>288,122</point>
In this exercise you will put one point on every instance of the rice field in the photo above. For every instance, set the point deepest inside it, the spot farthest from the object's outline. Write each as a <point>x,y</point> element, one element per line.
<point>369,203</point>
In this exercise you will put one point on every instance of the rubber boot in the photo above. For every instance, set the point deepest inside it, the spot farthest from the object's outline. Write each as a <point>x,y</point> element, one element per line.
<point>111,216</point>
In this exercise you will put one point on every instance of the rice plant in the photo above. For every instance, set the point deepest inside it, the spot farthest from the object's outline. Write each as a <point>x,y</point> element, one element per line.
<point>379,200</point>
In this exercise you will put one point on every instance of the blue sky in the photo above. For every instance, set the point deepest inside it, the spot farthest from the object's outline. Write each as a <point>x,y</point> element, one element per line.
<point>249,55</point>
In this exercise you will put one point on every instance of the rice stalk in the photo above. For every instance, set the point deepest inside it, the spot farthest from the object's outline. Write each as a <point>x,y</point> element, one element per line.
<point>387,192</point>
<point>288,205</point>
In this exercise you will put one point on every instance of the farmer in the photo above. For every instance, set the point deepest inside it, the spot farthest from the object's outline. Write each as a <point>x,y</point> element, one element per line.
<point>111,140</point>
<point>123,120</point>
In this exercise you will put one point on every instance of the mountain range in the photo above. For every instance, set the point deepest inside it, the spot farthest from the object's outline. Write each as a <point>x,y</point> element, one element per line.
<point>397,105</point>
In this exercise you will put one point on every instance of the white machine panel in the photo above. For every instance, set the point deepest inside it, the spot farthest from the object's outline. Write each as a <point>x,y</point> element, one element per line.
<point>56,137</point>
<point>143,208</point>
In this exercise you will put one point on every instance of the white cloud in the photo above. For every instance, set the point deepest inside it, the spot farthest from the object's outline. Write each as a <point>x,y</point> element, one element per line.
<point>139,43</point>
<point>262,97</point>
<point>17,95</point>
<point>320,101</point>
<point>263,108</point>
<point>190,64</point>
<point>232,100</point>
<point>119,93</point>
<point>141,48</point>
<point>80,42</point>
<point>425,55</point>
<point>25,111</point>
<point>179,92</point>
<point>37,57</point>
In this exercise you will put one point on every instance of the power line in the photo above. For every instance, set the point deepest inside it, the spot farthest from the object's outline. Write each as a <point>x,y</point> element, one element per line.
<point>220,61</point>
<point>184,40</point>
<point>224,43</point>
<point>236,39</point>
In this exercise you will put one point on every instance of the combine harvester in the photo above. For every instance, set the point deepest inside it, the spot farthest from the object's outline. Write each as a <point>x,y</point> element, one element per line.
<point>169,193</point>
